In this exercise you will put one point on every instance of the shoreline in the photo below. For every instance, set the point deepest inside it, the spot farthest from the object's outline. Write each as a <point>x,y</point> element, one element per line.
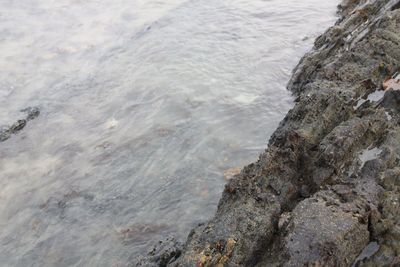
<point>326,191</point>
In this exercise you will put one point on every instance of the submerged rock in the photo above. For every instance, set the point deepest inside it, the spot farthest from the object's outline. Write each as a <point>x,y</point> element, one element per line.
<point>4,134</point>
<point>32,113</point>
<point>162,254</point>
<point>7,131</point>
<point>17,126</point>
<point>310,200</point>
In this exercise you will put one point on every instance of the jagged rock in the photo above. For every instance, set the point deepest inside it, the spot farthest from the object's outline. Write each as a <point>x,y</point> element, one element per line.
<point>312,199</point>
<point>162,254</point>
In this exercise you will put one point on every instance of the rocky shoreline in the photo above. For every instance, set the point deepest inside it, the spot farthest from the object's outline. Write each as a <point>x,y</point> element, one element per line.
<point>326,192</point>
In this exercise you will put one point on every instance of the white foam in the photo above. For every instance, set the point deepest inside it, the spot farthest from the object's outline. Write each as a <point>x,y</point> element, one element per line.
<point>111,123</point>
<point>245,98</point>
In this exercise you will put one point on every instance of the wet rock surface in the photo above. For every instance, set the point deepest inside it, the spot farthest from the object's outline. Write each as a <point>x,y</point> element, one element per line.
<point>162,254</point>
<point>7,131</point>
<point>310,199</point>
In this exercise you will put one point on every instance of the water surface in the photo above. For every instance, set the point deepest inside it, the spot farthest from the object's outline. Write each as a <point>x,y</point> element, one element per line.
<point>144,105</point>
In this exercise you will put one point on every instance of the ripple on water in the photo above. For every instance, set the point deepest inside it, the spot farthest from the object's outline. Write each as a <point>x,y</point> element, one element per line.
<point>144,106</point>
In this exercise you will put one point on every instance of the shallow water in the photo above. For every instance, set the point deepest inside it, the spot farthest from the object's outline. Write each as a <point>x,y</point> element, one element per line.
<point>144,105</point>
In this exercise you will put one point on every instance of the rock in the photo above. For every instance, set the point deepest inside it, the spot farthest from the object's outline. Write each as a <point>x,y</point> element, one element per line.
<point>18,126</point>
<point>309,200</point>
<point>320,234</point>
<point>162,254</point>
<point>4,134</point>
<point>391,100</point>
<point>230,173</point>
<point>7,131</point>
<point>284,220</point>
<point>32,113</point>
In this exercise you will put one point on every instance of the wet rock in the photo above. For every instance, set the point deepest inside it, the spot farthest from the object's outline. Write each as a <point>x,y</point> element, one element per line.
<point>7,131</point>
<point>162,254</point>
<point>18,126</point>
<point>32,113</point>
<point>391,100</point>
<point>325,235</point>
<point>4,134</point>
<point>310,200</point>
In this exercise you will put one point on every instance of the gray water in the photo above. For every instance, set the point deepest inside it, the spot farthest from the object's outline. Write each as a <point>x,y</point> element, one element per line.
<point>144,105</point>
